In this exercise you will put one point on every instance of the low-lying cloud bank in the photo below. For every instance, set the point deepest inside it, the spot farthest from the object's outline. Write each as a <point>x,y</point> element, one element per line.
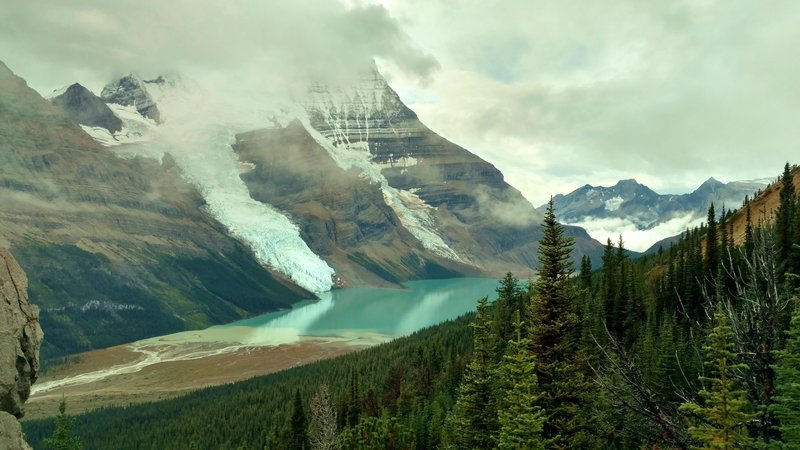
<point>634,238</point>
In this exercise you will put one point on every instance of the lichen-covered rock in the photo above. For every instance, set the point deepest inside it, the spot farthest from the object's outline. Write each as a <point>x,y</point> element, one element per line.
<point>11,437</point>
<point>20,337</point>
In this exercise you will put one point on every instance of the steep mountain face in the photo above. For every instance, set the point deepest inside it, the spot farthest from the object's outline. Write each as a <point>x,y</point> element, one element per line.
<point>169,221</point>
<point>347,188</point>
<point>457,205</point>
<point>628,207</point>
<point>85,108</point>
<point>130,91</point>
<point>341,215</point>
<point>117,249</point>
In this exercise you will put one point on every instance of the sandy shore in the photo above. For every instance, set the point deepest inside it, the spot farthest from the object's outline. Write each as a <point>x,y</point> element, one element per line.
<point>134,373</point>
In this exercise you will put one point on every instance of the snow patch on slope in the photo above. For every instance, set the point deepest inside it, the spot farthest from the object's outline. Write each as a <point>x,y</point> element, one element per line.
<point>100,135</point>
<point>353,112</point>
<point>614,203</point>
<point>414,213</point>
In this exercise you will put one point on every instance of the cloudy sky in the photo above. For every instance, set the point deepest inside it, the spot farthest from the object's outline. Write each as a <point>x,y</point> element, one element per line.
<point>555,93</point>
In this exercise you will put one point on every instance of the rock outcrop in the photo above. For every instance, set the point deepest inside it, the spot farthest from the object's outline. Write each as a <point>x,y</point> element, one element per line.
<point>130,91</point>
<point>85,108</point>
<point>20,339</point>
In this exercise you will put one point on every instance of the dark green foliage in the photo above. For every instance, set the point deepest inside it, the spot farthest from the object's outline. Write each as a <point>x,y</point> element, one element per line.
<point>555,337</point>
<point>474,418</point>
<point>298,437</point>
<point>784,218</point>
<point>722,417</point>
<point>510,300</point>
<point>62,438</point>
<point>712,246</point>
<point>520,419</point>
<point>377,433</point>
<point>787,400</point>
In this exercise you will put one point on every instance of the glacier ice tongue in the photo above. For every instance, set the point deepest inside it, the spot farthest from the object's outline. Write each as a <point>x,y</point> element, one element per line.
<point>198,133</point>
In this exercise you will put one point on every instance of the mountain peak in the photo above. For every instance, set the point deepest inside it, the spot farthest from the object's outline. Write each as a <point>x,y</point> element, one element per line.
<point>85,108</point>
<point>711,181</point>
<point>131,91</point>
<point>630,182</point>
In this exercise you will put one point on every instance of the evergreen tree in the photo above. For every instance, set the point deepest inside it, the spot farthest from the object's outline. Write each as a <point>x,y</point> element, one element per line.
<point>377,433</point>
<point>474,417</point>
<point>787,400</point>
<point>784,218</point>
<point>721,420</point>
<point>509,300</point>
<point>62,438</point>
<point>298,438</point>
<point>520,418</point>
<point>712,246</point>
<point>748,234</point>
<point>554,338</point>
<point>586,273</point>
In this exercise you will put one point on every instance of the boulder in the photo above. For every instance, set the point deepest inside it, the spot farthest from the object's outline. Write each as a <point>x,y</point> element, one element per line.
<point>20,337</point>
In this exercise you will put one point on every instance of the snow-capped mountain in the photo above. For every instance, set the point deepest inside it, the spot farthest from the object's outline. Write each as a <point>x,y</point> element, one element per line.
<point>116,249</point>
<point>643,216</point>
<point>343,187</point>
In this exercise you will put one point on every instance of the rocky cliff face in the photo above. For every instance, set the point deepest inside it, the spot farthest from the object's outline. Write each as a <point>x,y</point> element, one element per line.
<point>85,108</point>
<point>131,91</point>
<point>117,249</point>
<point>343,217</point>
<point>20,339</point>
<point>455,203</point>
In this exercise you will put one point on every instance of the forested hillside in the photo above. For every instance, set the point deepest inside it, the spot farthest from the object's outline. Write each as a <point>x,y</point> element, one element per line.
<point>696,346</point>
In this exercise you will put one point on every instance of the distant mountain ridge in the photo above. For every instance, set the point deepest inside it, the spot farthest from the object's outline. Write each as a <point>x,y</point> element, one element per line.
<point>631,207</point>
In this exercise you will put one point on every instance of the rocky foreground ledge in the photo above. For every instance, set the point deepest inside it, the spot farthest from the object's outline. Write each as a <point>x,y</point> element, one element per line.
<point>20,339</point>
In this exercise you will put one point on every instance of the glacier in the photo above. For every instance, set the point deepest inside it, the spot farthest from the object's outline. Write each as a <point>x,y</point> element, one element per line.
<point>198,134</point>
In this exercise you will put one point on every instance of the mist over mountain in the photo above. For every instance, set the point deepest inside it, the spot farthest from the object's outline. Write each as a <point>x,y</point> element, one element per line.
<point>642,216</point>
<point>342,186</point>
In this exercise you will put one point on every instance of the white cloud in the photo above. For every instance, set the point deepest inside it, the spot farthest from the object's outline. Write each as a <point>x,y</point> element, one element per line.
<point>556,94</point>
<point>634,238</point>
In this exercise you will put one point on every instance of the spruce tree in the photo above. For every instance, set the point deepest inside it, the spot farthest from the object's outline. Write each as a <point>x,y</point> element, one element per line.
<point>720,422</point>
<point>586,273</point>
<point>748,234</point>
<point>62,438</point>
<point>787,400</point>
<point>784,218</point>
<point>712,246</point>
<point>509,300</point>
<point>298,437</point>
<point>554,339</point>
<point>474,416</point>
<point>520,418</point>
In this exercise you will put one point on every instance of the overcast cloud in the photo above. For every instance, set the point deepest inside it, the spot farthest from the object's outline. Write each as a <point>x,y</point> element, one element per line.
<point>556,93</point>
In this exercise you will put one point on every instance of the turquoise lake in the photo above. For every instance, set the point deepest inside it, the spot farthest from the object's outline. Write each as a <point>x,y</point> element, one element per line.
<point>387,312</point>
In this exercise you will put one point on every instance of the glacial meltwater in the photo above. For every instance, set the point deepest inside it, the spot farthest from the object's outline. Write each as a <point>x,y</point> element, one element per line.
<point>385,312</point>
<point>351,317</point>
